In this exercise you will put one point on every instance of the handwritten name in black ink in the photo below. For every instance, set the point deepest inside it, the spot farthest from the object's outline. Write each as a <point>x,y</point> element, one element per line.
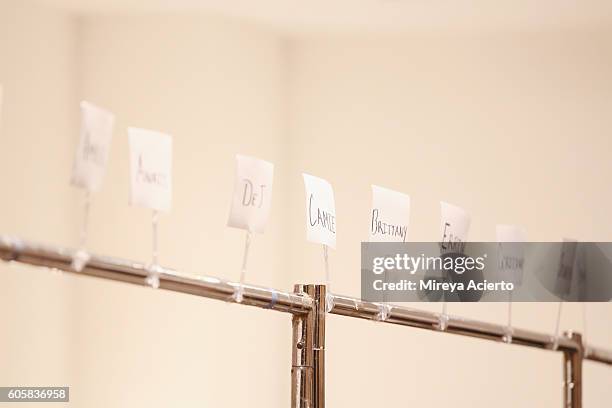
<point>382,228</point>
<point>251,197</point>
<point>322,218</point>
<point>450,242</point>
<point>92,152</point>
<point>150,177</point>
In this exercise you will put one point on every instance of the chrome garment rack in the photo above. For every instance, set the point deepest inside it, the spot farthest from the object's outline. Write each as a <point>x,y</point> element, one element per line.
<point>307,306</point>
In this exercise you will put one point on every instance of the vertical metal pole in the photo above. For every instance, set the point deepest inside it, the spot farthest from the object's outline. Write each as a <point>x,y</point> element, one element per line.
<point>318,347</point>
<point>301,360</point>
<point>308,349</point>
<point>572,373</point>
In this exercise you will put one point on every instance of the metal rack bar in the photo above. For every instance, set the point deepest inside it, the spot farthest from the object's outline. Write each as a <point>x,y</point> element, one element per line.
<point>307,304</point>
<point>352,307</point>
<point>598,355</point>
<point>135,273</point>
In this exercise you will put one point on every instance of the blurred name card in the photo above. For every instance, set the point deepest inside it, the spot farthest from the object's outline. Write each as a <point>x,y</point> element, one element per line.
<point>566,267</point>
<point>320,211</point>
<point>511,252</point>
<point>390,215</point>
<point>94,144</point>
<point>252,194</point>
<point>454,227</point>
<point>150,169</point>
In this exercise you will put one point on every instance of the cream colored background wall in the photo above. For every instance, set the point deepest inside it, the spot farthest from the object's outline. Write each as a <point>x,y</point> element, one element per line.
<point>511,126</point>
<point>37,135</point>
<point>219,88</point>
<point>508,125</point>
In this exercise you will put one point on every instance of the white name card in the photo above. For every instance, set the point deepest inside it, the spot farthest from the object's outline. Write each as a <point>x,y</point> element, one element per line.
<point>567,260</point>
<point>390,215</point>
<point>511,254</point>
<point>94,144</point>
<point>320,211</point>
<point>150,169</point>
<point>252,194</point>
<point>454,227</point>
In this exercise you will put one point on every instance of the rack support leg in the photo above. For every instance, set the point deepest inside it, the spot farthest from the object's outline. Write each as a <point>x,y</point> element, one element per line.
<point>572,373</point>
<point>308,351</point>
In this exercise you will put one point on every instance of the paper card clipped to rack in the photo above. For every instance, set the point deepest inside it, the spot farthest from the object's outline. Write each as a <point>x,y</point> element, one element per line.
<point>511,252</point>
<point>252,197</point>
<point>150,169</point>
<point>581,272</point>
<point>390,215</point>
<point>93,148</point>
<point>565,273</point>
<point>454,227</point>
<point>320,211</point>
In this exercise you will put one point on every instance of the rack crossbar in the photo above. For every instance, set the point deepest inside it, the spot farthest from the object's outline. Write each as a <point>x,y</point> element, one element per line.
<point>13,250</point>
<point>296,303</point>
<point>457,325</point>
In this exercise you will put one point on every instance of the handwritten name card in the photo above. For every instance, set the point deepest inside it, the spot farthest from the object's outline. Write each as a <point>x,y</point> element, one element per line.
<point>454,227</point>
<point>320,211</point>
<point>390,215</point>
<point>94,144</point>
<point>511,255</point>
<point>150,169</point>
<point>252,194</point>
<point>565,273</point>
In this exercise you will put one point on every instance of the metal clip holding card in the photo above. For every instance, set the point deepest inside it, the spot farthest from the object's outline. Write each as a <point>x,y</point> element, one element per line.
<point>507,337</point>
<point>250,208</point>
<point>384,311</point>
<point>151,183</point>
<point>508,330</point>
<point>443,319</point>
<point>153,269</point>
<point>454,227</point>
<point>510,252</point>
<point>89,166</point>
<point>81,257</point>
<point>329,297</point>
<point>384,308</point>
<point>555,339</point>
<point>152,279</point>
<point>239,289</point>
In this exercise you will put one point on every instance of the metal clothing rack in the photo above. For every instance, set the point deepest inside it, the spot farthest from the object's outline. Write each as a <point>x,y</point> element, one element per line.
<point>307,306</point>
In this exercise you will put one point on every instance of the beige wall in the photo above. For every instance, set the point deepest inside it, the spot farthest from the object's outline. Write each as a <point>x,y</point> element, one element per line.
<point>37,135</point>
<point>219,88</point>
<point>510,126</point>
